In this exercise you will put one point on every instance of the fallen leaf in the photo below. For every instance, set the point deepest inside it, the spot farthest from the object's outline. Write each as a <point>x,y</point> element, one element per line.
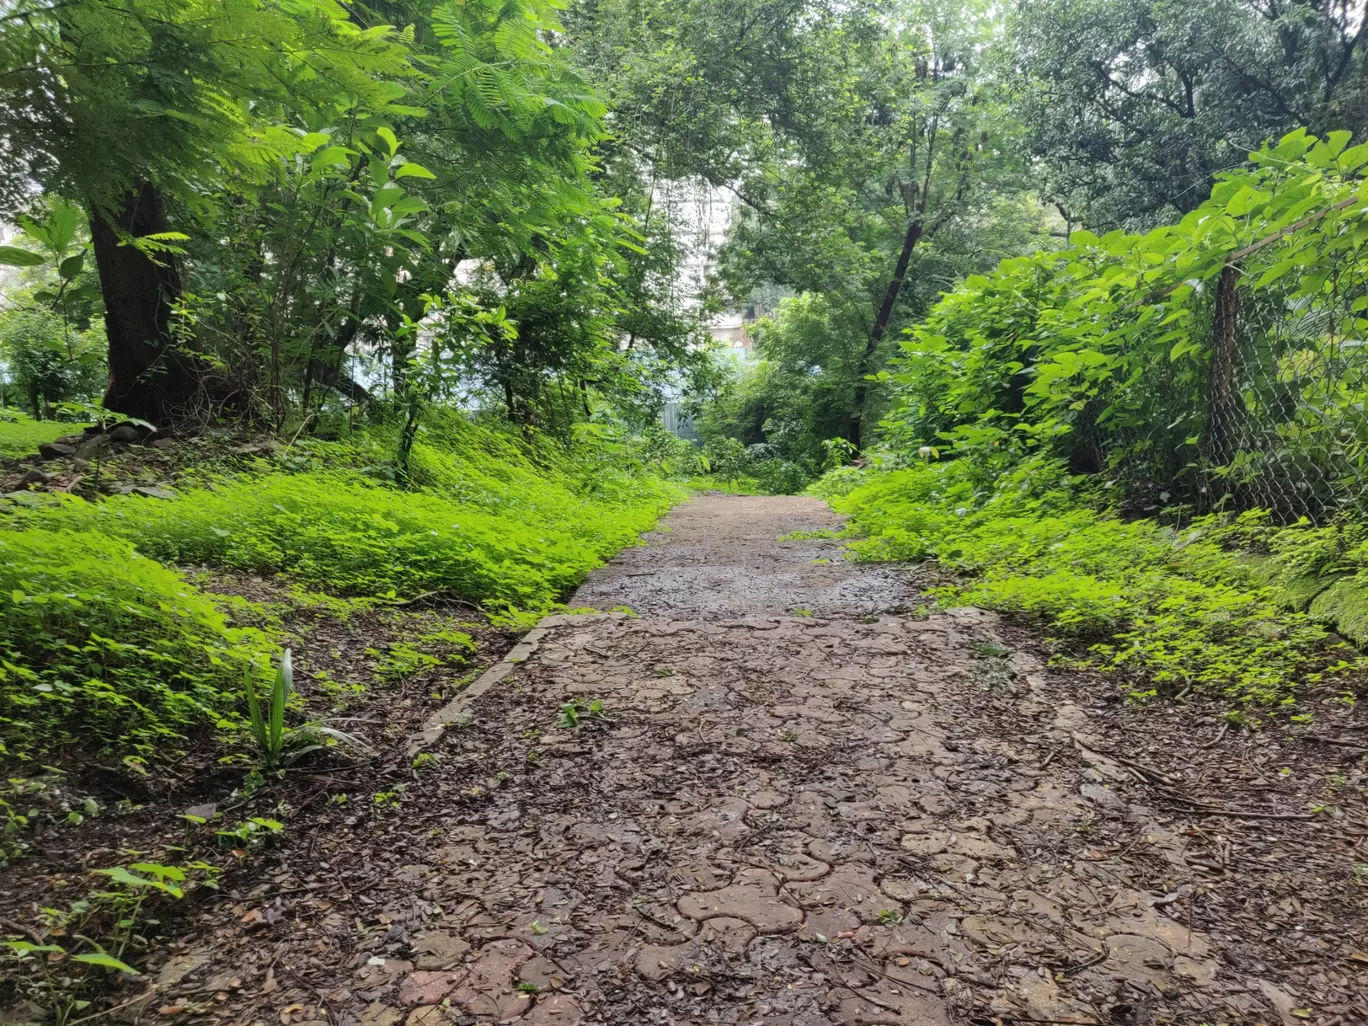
<point>1359,956</point>
<point>171,1009</point>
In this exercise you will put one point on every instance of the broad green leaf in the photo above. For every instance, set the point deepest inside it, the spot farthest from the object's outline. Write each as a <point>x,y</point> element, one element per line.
<point>15,257</point>
<point>108,961</point>
<point>71,266</point>
<point>1354,158</point>
<point>379,169</point>
<point>408,205</point>
<point>332,155</point>
<point>160,871</point>
<point>118,874</point>
<point>412,170</point>
<point>26,948</point>
<point>1337,141</point>
<point>1244,201</point>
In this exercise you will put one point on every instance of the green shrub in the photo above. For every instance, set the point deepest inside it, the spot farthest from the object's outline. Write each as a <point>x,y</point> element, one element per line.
<point>1165,606</point>
<point>351,537</point>
<point>103,647</point>
<point>109,642</point>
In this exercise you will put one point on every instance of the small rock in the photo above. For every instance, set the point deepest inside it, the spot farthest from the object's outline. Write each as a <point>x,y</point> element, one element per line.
<point>125,433</point>
<point>93,447</point>
<point>80,465</point>
<point>56,450</point>
<point>162,443</point>
<point>439,950</point>
<point>34,477</point>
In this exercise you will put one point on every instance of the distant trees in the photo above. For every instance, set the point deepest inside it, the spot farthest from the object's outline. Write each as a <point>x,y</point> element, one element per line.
<point>1133,106</point>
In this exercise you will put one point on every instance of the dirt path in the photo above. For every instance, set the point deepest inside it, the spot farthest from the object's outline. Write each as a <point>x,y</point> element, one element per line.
<point>796,807</point>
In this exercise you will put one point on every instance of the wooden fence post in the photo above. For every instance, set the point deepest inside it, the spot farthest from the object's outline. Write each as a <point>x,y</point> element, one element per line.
<point>1221,378</point>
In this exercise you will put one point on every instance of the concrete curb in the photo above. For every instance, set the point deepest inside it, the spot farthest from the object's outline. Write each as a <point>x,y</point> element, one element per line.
<point>457,711</point>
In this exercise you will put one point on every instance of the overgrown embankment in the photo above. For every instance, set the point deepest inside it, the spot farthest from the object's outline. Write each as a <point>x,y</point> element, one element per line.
<point>1218,603</point>
<point>107,644</point>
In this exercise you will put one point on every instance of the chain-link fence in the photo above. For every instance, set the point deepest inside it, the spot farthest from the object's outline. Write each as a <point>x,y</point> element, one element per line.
<point>1269,408</point>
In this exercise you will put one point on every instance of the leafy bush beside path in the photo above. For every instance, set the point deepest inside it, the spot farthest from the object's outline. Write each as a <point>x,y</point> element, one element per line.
<point>1196,605</point>
<point>105,645</point>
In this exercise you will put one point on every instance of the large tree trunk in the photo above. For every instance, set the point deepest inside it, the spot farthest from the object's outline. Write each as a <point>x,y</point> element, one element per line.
<point>148,379</point>
<point>882,315</point>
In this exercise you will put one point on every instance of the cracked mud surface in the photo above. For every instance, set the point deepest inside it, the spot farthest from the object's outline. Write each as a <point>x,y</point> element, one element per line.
<point>858,817</point>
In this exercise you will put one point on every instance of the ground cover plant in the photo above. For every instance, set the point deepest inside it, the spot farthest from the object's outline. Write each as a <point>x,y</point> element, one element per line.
<point>20,434</point>
<point>1197,604</point>
<point>107,644</point>
<point>1152,443</point>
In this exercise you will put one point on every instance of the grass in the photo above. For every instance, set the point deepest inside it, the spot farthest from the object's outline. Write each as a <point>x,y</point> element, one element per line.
<point>20,434</point>
<point>103,648</point>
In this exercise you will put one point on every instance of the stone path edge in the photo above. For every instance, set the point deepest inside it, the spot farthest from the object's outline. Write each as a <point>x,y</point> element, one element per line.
<point>457,710</point>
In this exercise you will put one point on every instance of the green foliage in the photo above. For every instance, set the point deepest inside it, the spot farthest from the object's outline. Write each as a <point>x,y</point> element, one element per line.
<point>759,469</point>
<point>1167,607</point>
<point>276,745</point>
<point>102,647</point>
<point>109,924</point>
<point>428,651</point>
<point>20,434</point>
<point>47,361</point>
<point>251,833</point>
<point>1134,106</point>
<point>1103,353</point>
<point>570,713</point>
<point>105,647</point>
<point>333,531</point>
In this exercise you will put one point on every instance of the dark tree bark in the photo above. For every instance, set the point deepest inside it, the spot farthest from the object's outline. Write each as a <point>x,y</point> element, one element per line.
<point>882,316</point>
<point>325,364</point>
<point>148,379</point>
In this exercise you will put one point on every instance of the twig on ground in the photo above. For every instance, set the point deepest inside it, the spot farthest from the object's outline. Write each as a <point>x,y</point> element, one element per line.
<point>1352,746</point>
<point>1244,813</point>
<point>1141,768</point>
<point>1102,955</point>
<point>31,934</point>
<point>445,596</point>
<point>1220,735</point>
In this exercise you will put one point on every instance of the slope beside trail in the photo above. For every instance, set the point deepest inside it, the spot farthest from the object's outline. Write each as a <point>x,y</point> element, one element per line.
<point>802,803</point>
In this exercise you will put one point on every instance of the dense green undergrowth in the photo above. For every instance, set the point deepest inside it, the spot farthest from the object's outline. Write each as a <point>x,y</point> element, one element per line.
<point>20,434</point>
<point>1202,605</point>
<point>105,643</point>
